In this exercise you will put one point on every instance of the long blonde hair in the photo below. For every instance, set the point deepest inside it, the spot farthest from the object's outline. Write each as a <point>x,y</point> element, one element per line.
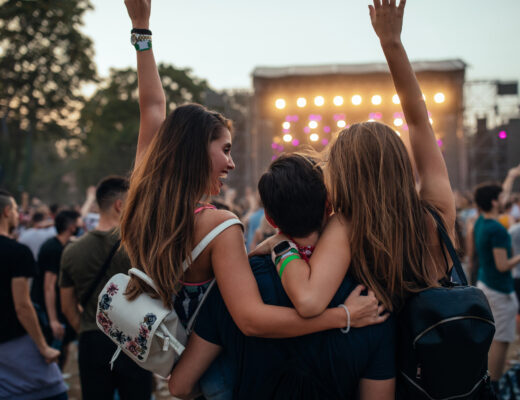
<point>157,227</point>
<point>372,185</point>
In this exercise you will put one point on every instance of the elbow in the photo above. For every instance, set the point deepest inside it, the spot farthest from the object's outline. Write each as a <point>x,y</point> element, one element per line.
<point>180,389</point>
<point>307,307</point>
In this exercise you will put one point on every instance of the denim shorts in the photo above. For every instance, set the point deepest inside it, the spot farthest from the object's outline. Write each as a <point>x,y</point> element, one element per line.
<point>218,381</point>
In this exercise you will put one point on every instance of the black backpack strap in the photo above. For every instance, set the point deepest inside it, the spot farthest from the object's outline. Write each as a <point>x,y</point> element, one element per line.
<point>443,235</point>
<point>99,276</point>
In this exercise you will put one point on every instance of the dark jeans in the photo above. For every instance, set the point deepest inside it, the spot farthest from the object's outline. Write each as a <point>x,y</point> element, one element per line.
<point>98,382</point>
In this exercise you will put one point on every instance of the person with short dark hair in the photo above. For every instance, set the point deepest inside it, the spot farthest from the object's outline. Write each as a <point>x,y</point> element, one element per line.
<point>325,365</point>
<point>80,265</point>
<point>37,233</point>
<point>27,363</point>
<point>495,260</point>
<point>45,290</point>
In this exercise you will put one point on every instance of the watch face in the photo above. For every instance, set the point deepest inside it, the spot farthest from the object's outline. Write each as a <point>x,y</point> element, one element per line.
<point>281,247</point>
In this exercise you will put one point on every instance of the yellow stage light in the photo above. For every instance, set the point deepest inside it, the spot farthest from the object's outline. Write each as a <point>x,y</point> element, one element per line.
<point>356,99</point>
<point>439,97</point>
<point>341,123</point>
<point>376,100</point>
<point>398,122</point>
<point>314,137</point>
<point>319,101</point>
<point>395,99</point>
<point>313,124</point>
<point>286,125</point>
<point>287,138</point>
<point>301,102</point>
<point>280,104</point>
<point>338,101</point>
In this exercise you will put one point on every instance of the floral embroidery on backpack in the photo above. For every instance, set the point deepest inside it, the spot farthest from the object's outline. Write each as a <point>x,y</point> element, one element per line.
<point>138,345</point>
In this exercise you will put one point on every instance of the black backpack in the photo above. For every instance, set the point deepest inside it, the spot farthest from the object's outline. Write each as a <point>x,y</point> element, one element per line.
<point>443,339</point>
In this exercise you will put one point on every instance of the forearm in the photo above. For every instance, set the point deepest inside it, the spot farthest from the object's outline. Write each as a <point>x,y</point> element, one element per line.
<point>72,314</point>
<point>29,320</point>
<point>405,82</point>
<point>284,322</point>
<point>50,304</point>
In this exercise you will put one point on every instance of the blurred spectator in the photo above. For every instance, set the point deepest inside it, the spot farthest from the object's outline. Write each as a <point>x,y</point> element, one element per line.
<point>41,229</point>
<point>27,363</point>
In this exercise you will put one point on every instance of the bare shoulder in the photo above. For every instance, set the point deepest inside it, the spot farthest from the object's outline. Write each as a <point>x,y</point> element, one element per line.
<point>209,219</point>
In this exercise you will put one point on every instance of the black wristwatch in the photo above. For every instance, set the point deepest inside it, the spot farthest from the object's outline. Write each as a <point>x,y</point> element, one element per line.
<point>281,248</point>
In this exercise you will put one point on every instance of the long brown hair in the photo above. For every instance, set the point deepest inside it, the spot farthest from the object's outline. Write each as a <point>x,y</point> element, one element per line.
<point>157,227</point>
<point>371,181</point>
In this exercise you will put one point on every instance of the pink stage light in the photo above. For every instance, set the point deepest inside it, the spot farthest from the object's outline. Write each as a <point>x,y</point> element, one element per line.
<point>273,158</point>
<point>375,115</point>
<point>325,142</point>
<point>274,146</point>
<point>307,129</point>
<point>439,142</point>
<point>338,117</point>
<point>295,142</point>
<point>502,135</point>
<point>326,129</point>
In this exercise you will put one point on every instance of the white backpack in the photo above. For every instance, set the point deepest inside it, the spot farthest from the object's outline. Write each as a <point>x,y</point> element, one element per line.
<point>144,329</point>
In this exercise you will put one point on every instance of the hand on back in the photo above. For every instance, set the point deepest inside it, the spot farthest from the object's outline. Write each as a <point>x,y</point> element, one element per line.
<point>387,19</point>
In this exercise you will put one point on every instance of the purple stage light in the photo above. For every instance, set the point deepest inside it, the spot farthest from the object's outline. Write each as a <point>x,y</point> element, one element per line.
<point>502,135</point>
<point>439,142</point>
<point>326,129</point>
<point>295,142</point>
<point>274,146</point>
<point>307,129</point>
<point>325,142</point>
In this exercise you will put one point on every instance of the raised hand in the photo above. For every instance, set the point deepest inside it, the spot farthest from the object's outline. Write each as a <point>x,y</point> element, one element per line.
<point>387,19</point>
<point>139,12</point>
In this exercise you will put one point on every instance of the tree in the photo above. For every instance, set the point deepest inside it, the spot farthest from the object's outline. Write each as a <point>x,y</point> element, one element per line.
<point>110,120</point>
<point>44,59</point>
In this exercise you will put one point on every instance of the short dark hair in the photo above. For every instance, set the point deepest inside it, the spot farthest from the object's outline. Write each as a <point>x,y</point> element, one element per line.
<point>65,219</point>
<point>485,193</point>
<point>37,217</point>
<point>294,194</point>
<point>5,199</point>
<point>109,190</point>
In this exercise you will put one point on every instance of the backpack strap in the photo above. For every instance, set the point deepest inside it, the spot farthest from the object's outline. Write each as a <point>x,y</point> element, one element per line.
<point>449,245</point>
<point>191,322</point>
<point>101,273</point>
<point>208,238</point>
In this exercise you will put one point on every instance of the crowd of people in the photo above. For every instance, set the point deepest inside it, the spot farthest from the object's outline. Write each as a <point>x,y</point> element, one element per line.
<point>313,269</point>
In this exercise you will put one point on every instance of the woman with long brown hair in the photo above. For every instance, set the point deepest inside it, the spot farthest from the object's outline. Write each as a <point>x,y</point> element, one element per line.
<point>181,159</point>
<point>383,230</point>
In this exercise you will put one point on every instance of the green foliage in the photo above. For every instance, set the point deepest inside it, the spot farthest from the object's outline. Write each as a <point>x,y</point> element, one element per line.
<point>44,59</point>
<point>110,120</point>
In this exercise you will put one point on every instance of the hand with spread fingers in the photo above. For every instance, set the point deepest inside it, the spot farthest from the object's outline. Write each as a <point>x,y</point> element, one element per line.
<point>387,19</point>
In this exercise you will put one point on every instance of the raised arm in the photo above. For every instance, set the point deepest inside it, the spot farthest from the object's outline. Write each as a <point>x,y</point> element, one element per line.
<point>387,21</point>
<point>152,101</point>
<point>507,186</point>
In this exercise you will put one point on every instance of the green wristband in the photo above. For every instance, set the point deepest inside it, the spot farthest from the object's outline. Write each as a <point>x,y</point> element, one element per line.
<point>287,261</point>
<point>279,258</point>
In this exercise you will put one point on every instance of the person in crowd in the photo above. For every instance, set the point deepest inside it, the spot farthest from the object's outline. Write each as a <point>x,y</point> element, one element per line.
<point>27,363</point>
<point>89,211</point>
<point>495,259</point>
<point>181,160</point>
<point>81,263</point>
<point>325,365</point>
<point>42,228</point>
<point>45,290</point>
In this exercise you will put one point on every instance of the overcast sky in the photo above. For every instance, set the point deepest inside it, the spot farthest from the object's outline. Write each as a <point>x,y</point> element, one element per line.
<point>223,41</point>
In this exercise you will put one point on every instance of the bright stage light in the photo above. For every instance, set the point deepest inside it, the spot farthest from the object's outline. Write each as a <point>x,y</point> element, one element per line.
<point>398,122</point>
<point>314,137</point>
<point>424,97</point>
<point>341,123</point>
<point>287,138</point>
<point>356,99</point>
<point>439,97</point>
<point>398,133</point>
<point>286,125</point>
<point>301,102</point>
<point>319,101</point>
<point>313,124</point>
<point>431,121</point>
<point>338,101</point>
<point>395,99</point>
<point>376,100</point>
<point>280,104</point>
<point>502,135</point>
